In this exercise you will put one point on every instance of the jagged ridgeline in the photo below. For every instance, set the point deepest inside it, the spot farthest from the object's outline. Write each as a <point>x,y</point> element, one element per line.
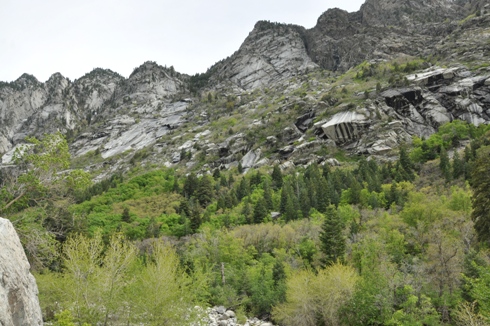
<point>335,175</point>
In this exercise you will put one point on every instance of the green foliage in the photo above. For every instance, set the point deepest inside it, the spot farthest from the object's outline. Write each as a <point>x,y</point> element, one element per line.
<point>332,238</point>
<point>404,246</point>
<point>313,299</point>
<point>414,311</point>
<point>43,179</point>
<point>481,193</point>
<point>105,285</point>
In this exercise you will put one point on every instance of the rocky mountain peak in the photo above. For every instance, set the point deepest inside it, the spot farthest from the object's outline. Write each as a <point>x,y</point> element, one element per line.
<point>26,81</point>
<point>271,52</point>
<point>55,86</point>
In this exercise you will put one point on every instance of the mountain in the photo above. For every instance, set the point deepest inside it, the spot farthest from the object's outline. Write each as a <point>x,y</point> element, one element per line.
<point>360,82</point>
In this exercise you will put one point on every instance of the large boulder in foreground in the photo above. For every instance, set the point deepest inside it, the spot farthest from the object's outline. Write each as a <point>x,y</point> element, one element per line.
<point>19,303</point>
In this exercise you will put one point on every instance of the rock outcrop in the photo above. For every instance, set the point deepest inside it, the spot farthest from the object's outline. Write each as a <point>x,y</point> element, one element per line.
<point>220,316</point>
<point>271,53</point>
<point>19,304</point>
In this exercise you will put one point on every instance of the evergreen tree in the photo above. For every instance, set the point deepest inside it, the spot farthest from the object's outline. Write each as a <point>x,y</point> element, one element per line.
<point>247,211</point>
<point>406,165</point>
<point>355,191</point>
<point>240,167</point>
<point>260,211</point>
<point>222,181</point>
<point>326,170</point>
<point>221,204</point>
<point>243,189</point>
<point>195,217</point>
<point>291,211</point>
<point>184,208</point>
<point>322,196</point>
<point>332,193</point>
<point>304,202</point>
<point>204,191</point>
<point>256,179</point>
<point>216,174</point>
<point>458,165</point>
<point>445,164</point>
<point>276,178</point>
<point>268,195</point>
<point>233,199</point>
<point>393,194</point>
<point>480,182</point>
<point>190,185</point>
<point>332,241</point>
<point>231,180</point>
<point>286,194</point>
<point>176,186</point>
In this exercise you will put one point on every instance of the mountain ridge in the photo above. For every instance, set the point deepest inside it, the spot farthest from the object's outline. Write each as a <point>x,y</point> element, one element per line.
<point>333,67</point>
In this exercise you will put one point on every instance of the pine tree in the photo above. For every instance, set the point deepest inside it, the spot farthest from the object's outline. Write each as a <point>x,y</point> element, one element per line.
<point>247,211</point>
<point>322,196</point>
<point>406,165</point>
<point>195,216</point>
<point>256,179</point>
<point>176,186</point>
<point>221,204</point>
<point>332,241</point>
<point>445,164</point>
<point>190,185</point>
<point>268,195</point>
<point>326,170</point>
<point>243,189</point>
<point>216,174</point>
<point>260,211</point>
<point>204,191</point>
<point>276,178</point>
<point>480,182</point>
<point>304,202</point>
<point>458,166</point>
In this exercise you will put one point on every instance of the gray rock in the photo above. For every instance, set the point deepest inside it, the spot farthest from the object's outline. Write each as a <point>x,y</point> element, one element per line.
<point>345,126</point>
<point>220,309</point>
<point>19,303</point>
<point>250,159</point>
<point>332,162</point>
<point>271,53</point>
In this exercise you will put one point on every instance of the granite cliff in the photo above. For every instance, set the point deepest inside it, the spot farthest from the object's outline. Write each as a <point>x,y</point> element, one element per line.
<point>19,304</point>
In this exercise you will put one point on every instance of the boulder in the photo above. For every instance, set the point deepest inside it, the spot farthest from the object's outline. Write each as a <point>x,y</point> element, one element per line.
<point>251,158</point>
<point>345,126</point>
<point>305,121</point>
<point>19,303</point>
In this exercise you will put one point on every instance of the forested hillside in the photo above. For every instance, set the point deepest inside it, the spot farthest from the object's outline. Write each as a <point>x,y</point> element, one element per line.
<point>367,243</point>
<point>338,175</point>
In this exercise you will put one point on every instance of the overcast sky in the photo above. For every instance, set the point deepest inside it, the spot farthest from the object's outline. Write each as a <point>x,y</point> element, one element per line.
<point>73,37</point>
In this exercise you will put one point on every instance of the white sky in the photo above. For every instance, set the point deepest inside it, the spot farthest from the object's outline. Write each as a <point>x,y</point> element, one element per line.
<point>73,37</point>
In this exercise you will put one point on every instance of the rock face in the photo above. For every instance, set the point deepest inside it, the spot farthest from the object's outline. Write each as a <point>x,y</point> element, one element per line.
<point>271,53</point>
<point>345,126</point>
<point>19,304</point>
<point>280,71</point>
